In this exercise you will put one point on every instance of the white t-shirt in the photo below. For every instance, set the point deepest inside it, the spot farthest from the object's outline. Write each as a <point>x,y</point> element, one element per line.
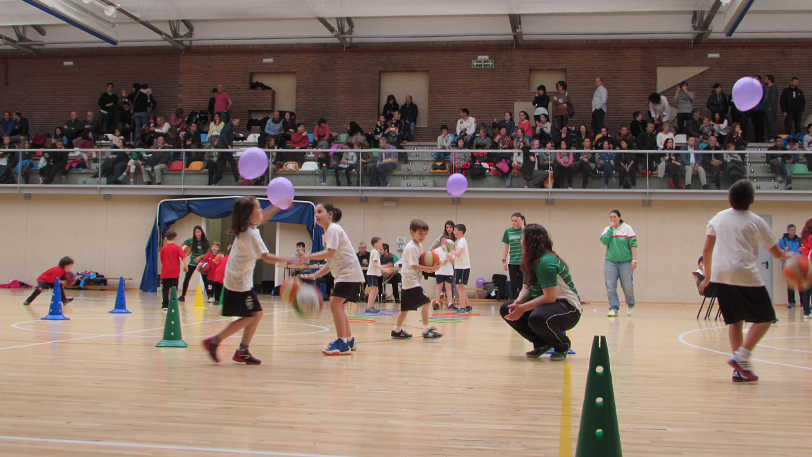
<point>735,255</point>
<point>374,262</point>
<point>344,264</point>
<point>447,268</point>
<point>247,249</point>
<point>411,257</point>
<point>463,260</point>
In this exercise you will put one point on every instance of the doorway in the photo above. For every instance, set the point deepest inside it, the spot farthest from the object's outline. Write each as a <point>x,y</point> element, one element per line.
<point>766,263</point>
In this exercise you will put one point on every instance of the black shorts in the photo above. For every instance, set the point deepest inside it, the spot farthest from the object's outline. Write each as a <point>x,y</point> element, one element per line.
<point>349,291</point>
<point>374,281</point>
<point>461,276</point>
<point>240,304</point>
<point>749,304</point>
<point>412,299</point>
<point>442,278</point>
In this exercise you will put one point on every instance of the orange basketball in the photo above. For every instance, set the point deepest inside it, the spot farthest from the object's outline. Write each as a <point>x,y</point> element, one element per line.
<point>429,258</point>
<point>797,273</point>
<point>218,258</point>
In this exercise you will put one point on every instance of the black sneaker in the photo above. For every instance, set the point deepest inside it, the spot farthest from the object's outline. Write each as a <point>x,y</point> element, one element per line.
<point>432,333</point>
<point>452,307</point>
<point>537,352</point>
<point>181,298</point>
<point>68,300</point>
<point>26,303</point>
<point>245,357</point>
<point>165,308</point>
<point>401,335</point>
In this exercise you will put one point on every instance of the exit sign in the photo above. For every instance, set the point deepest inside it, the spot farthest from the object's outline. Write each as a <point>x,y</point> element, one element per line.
<point>482,63</point>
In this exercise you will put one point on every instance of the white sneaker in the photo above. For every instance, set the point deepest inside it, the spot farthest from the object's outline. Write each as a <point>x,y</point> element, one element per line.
<point>612,313</point>
<point>807,316</point>
<point>211,300</point>
<point>630,311</point>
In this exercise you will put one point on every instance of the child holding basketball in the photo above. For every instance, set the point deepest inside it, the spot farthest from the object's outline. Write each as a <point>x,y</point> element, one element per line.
<point>731,266</point>
<point>218,275</point>
<point>444,275</point>
<point>346,269</point>
<point>374,278</point>
<point>172,257</point>
<point>412,296</point>
<point>207,267</point>
<point>462,268</point>
<point>47,279</point>
<point>239,297</point>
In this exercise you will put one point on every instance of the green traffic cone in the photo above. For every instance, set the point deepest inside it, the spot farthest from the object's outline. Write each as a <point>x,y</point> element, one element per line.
<point>599,434</point>
<point>172,336</point>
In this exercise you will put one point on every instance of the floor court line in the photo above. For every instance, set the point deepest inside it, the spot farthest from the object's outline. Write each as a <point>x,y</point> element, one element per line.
<point>160,447</point>
<point>682,340</point>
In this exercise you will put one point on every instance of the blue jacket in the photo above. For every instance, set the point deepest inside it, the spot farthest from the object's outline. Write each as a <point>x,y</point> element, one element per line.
<point>794,244</point>
<point>7,126</point>
<point>606,156</point>
<point>685,157</point>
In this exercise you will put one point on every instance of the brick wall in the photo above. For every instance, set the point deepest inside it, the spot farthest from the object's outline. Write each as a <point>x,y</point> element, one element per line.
<point>342,85</point>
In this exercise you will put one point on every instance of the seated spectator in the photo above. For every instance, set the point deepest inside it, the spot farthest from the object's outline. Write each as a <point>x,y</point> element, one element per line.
<point>134,162</point>
<point>289,125</point>
<point>193,141</point>
<point>86,140</point>
<point>390,107</point>
<point>157,163</point>
<point>54,160</point>
<point>389,260</point>
<point>444,141</point>
<point>20,129</point>
<point>664,135</point>
<point>273,128</point>
<point>506,122</point>
<point>172,140</point>
<point>736,138</point>
<point>387,162</point>
<point>177,120</point>
<point>7,123</point>
<point>582,134</point>
<point>161,126</point>
<point>564,165</point>
<point>114,166</point>
<point>323,155</point>
<point>673,166</point>
<point>562,134</point>
<point>807,141</point>
<point>125,120</point>
<point>624,134</point>
<point>604,133</point>
<point>348,162</point>
<point>58,136</point>
<point>533,172</point>
<point>116,135</point>
<point>321,130</point>
<point>781,164</point>
<point>638,125</point>
<point>692,161</point>
<point>91,125</point>
<point>466,126</point>
<point>659,109</point>
<point>215,127</point>
<point>544,126</point>
<point>482,141</point>
<point>647,141</point>
<point>734,168</point>
<point>355,134</point>
<point>524,123</point>
<point>73,127</point>
<point>719,125</point>
<point>707,127</point>
<point>626,164</point>
<point>713,161</point>
<point>366,158</point>
<point>299,139</point>
<point>210,159</point>
<point>693,127</point>
<point>380,129</point>
<point>585,163</point>
<point>520,139</point>
<point>606,162</point>
<point>394,132</point>
<point>501,140</point>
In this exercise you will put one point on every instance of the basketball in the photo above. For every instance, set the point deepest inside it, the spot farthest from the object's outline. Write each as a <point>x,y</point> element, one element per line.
<point>429,259</point>
<point>185,249</point>
<point>204,267</point>
<point>288,290</point>
<point>218,258</point>
<point>448,246</point>
<point>308,302</point>
<point>797,273</point>
<point>68,278</point>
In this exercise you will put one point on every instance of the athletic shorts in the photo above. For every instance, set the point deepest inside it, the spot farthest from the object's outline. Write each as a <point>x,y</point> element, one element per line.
<point>461,276</point>
<point>349,291</point>
<point>413,299</point>
<point>374,281</point>
<point>240,304</point>
<point>740,303</point>
<point>442,279</point>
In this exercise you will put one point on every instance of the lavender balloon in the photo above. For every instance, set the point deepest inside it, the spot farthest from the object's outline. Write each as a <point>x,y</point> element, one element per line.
<point>253,163</point>
<point>747,93</point>
<point>456,184</point>
<point>480,283</point>
<point>280,193</point>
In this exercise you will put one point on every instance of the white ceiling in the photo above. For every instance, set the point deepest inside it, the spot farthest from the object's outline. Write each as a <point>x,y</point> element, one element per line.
<point>293,21</point>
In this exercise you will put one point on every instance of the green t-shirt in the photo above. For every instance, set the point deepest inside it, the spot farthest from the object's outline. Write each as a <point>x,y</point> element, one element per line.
<point>195,251</point>
<point>513,238</point>
<point>552,271</point>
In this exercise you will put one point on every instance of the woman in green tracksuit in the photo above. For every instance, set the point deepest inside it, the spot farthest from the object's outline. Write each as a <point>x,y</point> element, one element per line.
<point>621,261</point>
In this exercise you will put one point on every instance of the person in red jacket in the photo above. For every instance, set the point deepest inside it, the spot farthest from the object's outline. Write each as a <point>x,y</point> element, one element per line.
<point>216,276</point>
<point>806,246</point>
<point>172,256</point>
<point>208,259</point>
<point>47,279</point>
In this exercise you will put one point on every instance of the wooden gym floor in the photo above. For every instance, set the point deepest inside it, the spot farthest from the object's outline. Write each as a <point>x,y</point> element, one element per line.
<point>96,385</point>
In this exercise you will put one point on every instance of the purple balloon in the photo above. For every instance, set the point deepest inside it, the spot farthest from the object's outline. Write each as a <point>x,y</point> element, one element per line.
<point>456,184</point>
<point>480,283</point>
<point>253,163</point>
<point>280,193</point>
<point>747,93</point>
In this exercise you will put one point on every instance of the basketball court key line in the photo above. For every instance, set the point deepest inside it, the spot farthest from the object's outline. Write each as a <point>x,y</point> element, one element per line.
<point>682,340</point>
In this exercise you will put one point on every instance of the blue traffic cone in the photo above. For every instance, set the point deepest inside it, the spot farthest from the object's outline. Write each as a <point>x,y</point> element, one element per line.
<point>55,311</point>
<point>121,301</point>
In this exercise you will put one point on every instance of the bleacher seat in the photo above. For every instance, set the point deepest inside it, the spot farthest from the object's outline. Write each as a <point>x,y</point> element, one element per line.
<point>252,138</point>
<point>800,169</point>
<point>310,135</point>
<point>342,138</point>
<point>195,166</point>
<point>681,139</point>
<point>309,166</point>
<point>176,166</point>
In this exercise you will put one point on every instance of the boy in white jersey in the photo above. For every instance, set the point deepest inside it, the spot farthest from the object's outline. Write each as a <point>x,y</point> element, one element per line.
<point>731,265</point>
<point>462,268</point>
<point>412,296</point>
<point>374,278</point>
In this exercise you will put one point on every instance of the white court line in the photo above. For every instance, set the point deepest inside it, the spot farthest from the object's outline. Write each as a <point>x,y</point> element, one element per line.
<point>682,340</point>
<point>783,349</point>
<point>159,446</point>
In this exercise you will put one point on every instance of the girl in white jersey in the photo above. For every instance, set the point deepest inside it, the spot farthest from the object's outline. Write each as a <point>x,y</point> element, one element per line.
<point>349,279</point>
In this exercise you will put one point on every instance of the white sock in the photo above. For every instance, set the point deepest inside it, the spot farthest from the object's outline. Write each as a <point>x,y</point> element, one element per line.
<point>743,353</point>
<point>398,328</point>
<point>426,328</point>
<point>346,340</point>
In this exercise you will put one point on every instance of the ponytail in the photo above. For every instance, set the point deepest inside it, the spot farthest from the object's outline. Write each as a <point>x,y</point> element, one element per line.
<point>328,207</point>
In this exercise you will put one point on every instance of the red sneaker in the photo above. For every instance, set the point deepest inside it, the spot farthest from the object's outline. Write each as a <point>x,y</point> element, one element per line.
<point>245,357</point>
<point>211,346</point>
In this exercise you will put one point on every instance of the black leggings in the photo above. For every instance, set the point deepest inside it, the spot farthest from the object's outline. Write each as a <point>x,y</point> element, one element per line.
<point>515,272</point>
<point>40,287</point>
<point>189,277</point>
<point>546,324</point>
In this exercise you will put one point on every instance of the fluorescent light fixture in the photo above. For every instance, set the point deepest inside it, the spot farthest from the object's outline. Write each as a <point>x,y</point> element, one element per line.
<point>68,63</point>
<point>269,60</point>
<point>482,58</point>
<point>80,17</point>
<point>714,56</point>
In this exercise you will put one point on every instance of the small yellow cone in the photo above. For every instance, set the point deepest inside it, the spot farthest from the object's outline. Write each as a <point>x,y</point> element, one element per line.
<point>200,303</point>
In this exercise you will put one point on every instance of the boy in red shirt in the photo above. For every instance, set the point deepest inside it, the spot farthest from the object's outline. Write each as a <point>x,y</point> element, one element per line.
<point>172,257</point>
<point>46,280</point>
<point>216,275</point>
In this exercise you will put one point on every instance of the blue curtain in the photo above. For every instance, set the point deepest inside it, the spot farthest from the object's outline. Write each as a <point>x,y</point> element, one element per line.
<point>215,208</point>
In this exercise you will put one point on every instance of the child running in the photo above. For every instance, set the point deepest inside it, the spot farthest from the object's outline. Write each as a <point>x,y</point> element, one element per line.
<point>462,268</point>
<point>731,266</point>
<point>374,278</point>
<point>346,269</point>
<point>239,297</point>
<point>172,257</point>
<point>47,279</point>
<point>412,297</point>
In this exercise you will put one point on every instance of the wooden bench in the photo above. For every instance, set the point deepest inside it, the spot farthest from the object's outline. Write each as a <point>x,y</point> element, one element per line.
<point>108,287</point>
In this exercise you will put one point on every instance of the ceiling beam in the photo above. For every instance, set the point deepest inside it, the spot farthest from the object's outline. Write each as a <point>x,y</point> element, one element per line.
<point>334,32</point>
<point>516,29</point>
<point>15,44</point>
<point>704,29</point>
<point>39,29</point>
<point>146,24</point>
